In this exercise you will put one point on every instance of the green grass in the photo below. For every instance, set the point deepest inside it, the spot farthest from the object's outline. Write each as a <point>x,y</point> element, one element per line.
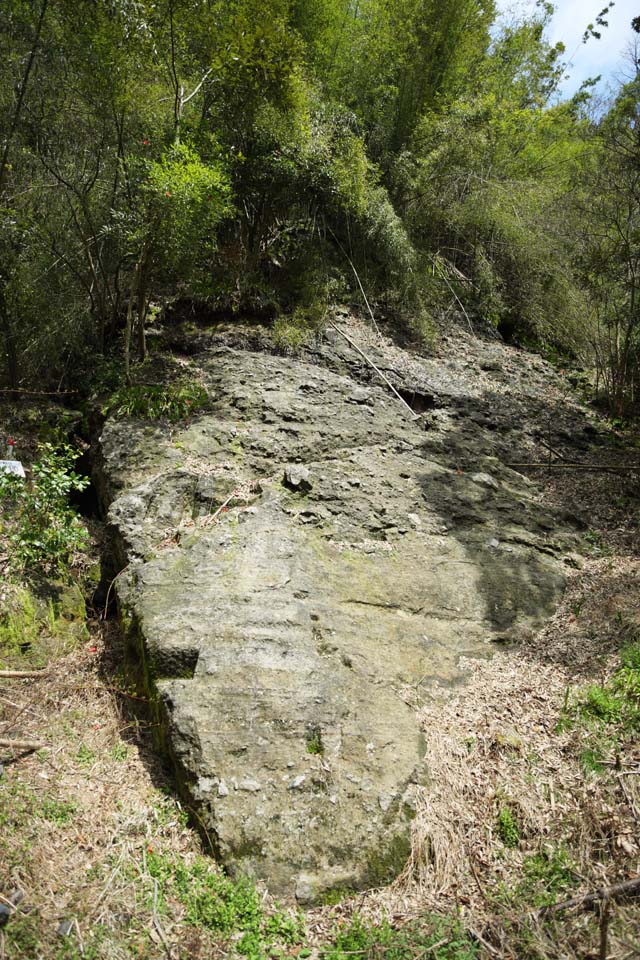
<point>173,401</point>
<point>543,878</point>
<point>85,755</point>
<point>436,938</point>
<point>591,760</point>
<point>233,909</point>
<point>595,544</point>
<point>224,906</point>
<point>612,709</point>
<point>58,811</point>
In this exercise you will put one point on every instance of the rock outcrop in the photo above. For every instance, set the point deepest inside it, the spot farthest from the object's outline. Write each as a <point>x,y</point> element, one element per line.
<point>291,634</point>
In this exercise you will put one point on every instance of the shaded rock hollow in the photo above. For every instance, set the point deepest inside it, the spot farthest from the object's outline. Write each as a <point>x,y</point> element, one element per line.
<point>291,636</point>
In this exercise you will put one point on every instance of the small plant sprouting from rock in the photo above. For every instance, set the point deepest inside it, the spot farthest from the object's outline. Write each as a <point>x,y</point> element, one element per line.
<point>314,742</point>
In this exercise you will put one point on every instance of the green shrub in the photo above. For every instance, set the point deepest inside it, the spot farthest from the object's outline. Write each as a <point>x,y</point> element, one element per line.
<point>44,532</point>
<point>314,742</point>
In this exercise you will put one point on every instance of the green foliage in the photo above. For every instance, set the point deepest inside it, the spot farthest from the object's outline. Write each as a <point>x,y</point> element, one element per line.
<point>591,760</point>
<point>181,200</point>
<point>58,811</point>
<point>612,708</point>
<point>438,937</point>
<point>291,333</point>
<point>228,151</point>
<point>86,756</point>
<point>215,902</point>
<point>508,828</point>
<point>314,742</point>
<point>544,876</point>
<point>596,544</point>
<point>175,401</point>
<point>44,532</point>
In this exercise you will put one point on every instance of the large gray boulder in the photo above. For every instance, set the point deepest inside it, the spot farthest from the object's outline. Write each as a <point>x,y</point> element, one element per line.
<point>291,636</point>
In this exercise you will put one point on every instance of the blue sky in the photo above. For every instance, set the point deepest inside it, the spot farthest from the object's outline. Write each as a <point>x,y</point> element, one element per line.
<point>605,56</point>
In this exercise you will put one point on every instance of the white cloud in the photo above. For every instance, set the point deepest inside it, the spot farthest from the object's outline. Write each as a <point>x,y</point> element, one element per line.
<point>604,56</point>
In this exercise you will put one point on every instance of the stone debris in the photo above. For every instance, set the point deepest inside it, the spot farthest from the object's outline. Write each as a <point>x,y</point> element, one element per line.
<point>297,783</point>
<point>297,478</point>
<point>485,480</point>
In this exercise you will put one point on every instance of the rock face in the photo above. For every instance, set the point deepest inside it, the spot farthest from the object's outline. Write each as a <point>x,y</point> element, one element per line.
<point>291,635</point>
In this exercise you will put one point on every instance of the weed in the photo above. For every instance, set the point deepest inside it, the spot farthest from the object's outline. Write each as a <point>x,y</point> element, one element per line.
<point>119,751</point>
<point>58,811</point>
<point>85,755</point>
<point>222,905</point>
<point>291,333</point>
<point>314,742</point>
<point>175,401</point>
<point>613,706</point>
<point>436,937</point>
<point>508,829</point>
<point>336,895</point>
<point>544,876</point>
<point>595,544</point>
<point>591,760</point>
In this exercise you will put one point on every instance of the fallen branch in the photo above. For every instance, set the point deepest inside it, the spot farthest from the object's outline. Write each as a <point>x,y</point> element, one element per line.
<point>21,674</point>
<point>414,416</point>
<point>22,744</point>
<point>551,449</point>
<point>620,891</point>
<point>614,468</point>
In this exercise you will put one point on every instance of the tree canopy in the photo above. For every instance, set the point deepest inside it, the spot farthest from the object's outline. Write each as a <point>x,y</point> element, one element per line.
<point>262,154</point>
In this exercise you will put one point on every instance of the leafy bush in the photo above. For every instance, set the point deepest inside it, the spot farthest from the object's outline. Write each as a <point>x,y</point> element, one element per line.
<point>43,531</point>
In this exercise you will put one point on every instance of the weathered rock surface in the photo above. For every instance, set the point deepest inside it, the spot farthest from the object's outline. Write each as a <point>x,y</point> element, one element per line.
<point>291,636</point>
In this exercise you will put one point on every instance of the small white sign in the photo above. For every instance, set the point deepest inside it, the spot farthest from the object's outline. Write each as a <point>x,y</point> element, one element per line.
<point>12,466</point>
